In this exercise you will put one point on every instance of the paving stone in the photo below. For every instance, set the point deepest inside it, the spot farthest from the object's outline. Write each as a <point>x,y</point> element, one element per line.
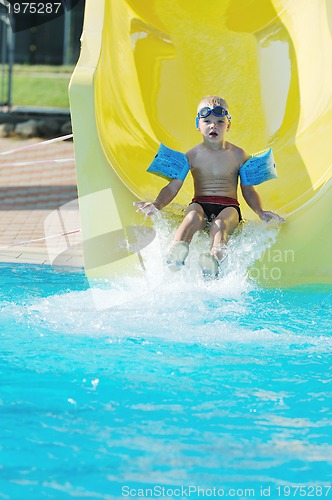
<point>23,223</point>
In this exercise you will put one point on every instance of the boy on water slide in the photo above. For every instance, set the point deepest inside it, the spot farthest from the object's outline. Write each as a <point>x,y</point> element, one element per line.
<point>214,165</point>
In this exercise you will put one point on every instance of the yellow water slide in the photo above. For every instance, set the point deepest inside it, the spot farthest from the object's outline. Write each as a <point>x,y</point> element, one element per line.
<point>144,66</point>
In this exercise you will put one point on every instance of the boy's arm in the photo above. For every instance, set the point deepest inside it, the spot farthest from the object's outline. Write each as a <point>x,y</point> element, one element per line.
<point>253,200</point>
<point>166,195</point>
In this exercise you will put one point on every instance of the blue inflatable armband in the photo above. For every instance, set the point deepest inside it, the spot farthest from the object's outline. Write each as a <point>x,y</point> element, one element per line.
<point>170,164</point>
<point>259,168</point>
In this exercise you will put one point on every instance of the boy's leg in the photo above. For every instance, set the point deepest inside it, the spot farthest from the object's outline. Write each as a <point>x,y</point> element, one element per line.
<point>221,228</point>
<point>193,221</point>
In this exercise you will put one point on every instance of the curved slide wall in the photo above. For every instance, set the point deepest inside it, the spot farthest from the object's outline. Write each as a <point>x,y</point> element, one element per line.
<point>142,70</point>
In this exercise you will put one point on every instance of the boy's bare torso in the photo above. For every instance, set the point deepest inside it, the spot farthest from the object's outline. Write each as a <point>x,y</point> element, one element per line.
<point>215,171</point>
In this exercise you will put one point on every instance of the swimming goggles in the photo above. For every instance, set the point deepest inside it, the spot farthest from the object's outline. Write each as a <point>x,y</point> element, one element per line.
<point>216,111</point>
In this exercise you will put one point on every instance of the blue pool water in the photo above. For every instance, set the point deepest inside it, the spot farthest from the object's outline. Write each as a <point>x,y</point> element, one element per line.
<point>221,386</point>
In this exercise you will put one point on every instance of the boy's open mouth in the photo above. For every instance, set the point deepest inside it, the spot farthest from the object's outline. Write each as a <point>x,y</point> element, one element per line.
<point>213,134</point>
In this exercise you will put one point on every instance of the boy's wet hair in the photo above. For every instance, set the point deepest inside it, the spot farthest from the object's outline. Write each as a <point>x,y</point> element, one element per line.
<point>211,101</point>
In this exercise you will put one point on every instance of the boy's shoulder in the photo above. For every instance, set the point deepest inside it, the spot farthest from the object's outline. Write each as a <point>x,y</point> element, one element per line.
<point>193,152</point>
<point>239,152</point>
<point>240,155</point>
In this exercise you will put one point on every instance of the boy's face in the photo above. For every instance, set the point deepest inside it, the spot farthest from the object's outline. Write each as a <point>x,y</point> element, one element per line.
<point>213,128</point>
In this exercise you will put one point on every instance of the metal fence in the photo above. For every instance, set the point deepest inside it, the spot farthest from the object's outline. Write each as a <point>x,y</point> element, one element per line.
<point>7,44</point>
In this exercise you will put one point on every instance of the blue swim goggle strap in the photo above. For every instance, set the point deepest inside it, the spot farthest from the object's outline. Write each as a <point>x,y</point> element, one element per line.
<point>216,111</point>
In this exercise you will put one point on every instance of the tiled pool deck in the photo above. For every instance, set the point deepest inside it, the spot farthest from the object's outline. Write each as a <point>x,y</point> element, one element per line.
<point>38,204</point>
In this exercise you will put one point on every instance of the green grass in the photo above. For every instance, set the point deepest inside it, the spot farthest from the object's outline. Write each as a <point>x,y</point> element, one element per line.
<point>25,68</point>
<point>41,86</point>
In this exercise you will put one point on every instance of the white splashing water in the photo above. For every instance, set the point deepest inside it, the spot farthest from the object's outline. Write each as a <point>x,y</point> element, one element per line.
<point>163,301</point>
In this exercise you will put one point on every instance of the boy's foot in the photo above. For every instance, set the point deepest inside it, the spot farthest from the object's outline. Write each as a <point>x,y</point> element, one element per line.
<point>177,255</point>
<point>209,265</point>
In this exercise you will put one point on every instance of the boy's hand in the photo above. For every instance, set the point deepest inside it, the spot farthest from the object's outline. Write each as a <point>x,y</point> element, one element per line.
<point>147,207</point>
<point>268,216</point>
